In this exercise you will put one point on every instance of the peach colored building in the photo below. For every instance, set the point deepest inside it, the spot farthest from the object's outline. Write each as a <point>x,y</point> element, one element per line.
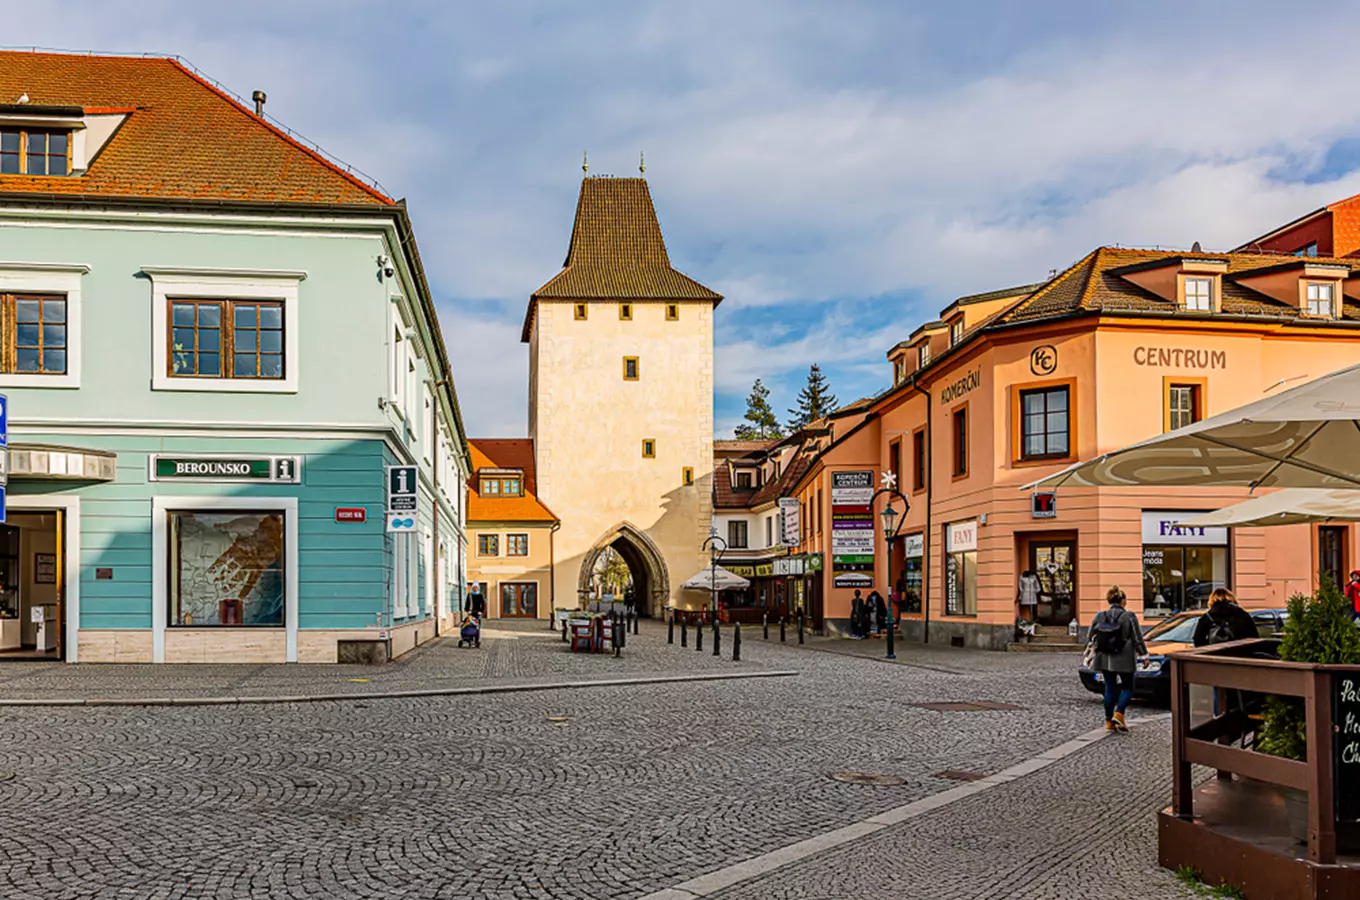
<point>1010,386</point>
<point>510,531</point>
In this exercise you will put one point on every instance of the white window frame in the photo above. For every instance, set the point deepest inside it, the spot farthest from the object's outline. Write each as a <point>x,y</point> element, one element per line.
<point>1207,299</point>
<point>48,278</point>
<point>955,332</point>
<point>1309,300</point>
<point>923,356</point>
<point>160,560</point>
<point>224,284</point>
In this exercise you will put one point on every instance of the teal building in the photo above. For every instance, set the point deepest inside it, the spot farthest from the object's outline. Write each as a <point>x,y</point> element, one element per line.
<point>216,344</point>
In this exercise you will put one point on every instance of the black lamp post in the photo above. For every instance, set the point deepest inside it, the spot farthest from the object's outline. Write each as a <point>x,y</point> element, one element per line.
<point>892,521</point>
<point>714,551</point>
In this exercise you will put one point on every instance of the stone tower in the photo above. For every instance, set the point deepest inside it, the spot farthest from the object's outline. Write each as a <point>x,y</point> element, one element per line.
<point>621,400</point>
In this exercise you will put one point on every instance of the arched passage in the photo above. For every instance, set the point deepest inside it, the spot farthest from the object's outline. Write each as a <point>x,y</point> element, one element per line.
<point>651,581</point>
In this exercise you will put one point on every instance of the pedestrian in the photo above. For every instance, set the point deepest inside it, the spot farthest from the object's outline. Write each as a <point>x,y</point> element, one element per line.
<point>1353,593</point>
<point>1225,621</point>
<point>858,631</point>
<point>1114,646</point>
<point>476,601</point>
<point>879,607</point>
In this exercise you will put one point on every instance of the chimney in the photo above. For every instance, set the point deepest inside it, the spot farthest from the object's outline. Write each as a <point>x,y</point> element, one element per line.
<point>258,97</point>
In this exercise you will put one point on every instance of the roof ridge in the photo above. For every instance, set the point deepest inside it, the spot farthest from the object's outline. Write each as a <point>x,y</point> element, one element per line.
<point>1094,266</point>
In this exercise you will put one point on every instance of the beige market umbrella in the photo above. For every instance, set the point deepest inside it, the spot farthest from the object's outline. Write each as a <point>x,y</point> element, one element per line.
<point>1305,437</point>
<point>715,578</point>
<point>1291,506</point>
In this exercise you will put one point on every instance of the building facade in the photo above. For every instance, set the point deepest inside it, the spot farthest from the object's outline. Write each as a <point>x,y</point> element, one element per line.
<point>510,532</point>
<point>621,401</point>
<point>215,343</point>
<point>1011,386</point>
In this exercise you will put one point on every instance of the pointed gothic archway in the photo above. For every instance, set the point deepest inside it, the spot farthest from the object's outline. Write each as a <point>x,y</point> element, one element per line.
<point>651,580</point>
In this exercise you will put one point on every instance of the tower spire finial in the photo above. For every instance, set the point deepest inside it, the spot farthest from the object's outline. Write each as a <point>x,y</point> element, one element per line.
<point>642,162</point>
<point>585,162</point>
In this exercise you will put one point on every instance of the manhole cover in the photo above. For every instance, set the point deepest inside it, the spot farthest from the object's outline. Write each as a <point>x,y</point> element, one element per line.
<point>867,778</point>
<point>958,775</point>
<point>967,706</point>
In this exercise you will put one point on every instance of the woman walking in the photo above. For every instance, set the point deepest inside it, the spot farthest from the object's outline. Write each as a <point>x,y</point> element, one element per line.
<point>1114,646</point>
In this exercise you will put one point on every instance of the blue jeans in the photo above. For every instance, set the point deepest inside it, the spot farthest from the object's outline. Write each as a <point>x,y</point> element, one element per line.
<point>1118,692</point>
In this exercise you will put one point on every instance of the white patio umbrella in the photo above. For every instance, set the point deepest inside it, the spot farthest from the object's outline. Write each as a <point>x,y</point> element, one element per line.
<point>1305,437</point>
<point>1291,506</point>
<point>715,578</point>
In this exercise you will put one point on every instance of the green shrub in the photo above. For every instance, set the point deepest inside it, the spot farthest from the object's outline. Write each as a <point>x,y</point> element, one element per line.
<point>1320,630</point>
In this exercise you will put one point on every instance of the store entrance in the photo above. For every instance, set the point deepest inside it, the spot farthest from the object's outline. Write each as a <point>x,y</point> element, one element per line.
<point>1055,562</point>
<point>32,617</point>
<point>1332,553</point>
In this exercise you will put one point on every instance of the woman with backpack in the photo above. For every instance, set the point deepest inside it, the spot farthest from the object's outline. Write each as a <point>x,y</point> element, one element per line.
<point>1114,646</point>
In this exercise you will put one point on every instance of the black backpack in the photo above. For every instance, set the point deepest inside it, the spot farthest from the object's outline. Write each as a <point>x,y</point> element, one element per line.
<point>1109,634</point>
<point>1220,630</point>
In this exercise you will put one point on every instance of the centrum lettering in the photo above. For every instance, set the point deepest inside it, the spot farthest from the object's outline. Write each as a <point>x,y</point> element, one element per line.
<point>1180,358</point>
<point>212,468</point>
<point>964,385</point>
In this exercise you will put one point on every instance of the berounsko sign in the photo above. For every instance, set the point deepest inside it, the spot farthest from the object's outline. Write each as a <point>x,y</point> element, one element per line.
<point>268,469</point>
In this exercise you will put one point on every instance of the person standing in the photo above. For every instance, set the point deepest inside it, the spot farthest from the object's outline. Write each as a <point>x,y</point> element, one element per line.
<point>857,617</point>
<point>1353,593</point>
<point>1115,643</point>
<point>476,601</point>
<point>1225,621</point>
<point>879,606</point>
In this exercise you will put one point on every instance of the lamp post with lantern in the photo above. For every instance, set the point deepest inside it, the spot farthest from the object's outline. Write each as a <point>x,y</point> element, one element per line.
<point>892,521</point>
<point>714,551</point>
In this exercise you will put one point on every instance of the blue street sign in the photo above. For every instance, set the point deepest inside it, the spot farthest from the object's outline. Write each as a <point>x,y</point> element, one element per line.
<point>2,503</point>
<point>4,421</point>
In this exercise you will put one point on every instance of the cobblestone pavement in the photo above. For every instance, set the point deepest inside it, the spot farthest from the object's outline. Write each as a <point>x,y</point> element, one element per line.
<point>609,792</point>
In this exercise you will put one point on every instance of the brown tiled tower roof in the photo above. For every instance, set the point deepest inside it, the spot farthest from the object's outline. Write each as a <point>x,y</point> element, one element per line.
<point>617,251</point>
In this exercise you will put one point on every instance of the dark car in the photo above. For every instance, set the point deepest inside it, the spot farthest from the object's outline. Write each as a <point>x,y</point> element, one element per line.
<point>1152,680</point>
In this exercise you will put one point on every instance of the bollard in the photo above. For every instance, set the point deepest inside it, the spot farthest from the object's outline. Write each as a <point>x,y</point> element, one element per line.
<point>781,629</point>
<point>564,630</point>
<point>670,629</point>
<point>736,642</point>
<point>765,624</point>
<point>800,628</point>
<point>636,618</point>
<point>717,638</point>
<point>892,627</point>
<point>617,635</point>
<point>699,638</point>
<point>684,633</point>
<point>623,635</point>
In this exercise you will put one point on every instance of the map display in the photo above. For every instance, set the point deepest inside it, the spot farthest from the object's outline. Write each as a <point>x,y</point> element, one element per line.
<point>228,568</point>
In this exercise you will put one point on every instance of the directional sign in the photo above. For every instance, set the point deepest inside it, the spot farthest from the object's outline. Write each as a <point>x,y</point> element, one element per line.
<point>2,502</point>
<point>401,522</point>
<point>4,421</point>
<point>403,488</point>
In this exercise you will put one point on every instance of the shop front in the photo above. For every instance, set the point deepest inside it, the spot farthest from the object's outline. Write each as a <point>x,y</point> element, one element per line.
<point>910,579</point>
<point>750,604</point>
<point>1181,566</point>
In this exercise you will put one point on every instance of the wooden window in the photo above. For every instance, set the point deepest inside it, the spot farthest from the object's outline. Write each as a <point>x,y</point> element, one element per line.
<point>1320,299</point>
<point>672,312</point>
<point>517,545</point>
<point>491,487</point>
<point>959,429</point>
<point>582,311</point>
<point>769,531</point>
<point>35,334</point>
<point>918,460</point>
<point>501,487</point>
<point>648,448</point>
<point>687,476</point>
<point>923,356</point>
<point>955,332</point>
<point>512,487</point>
<point>226,339</point>
<point>488,545</point>
<point>744,480</point>
<point>819,510</point>
<point>736,535</point>
<point>895,462</point>
<point>626,312</point>
<point>1199,294</point>
<point>1045,423</point>
<point>35,152</point>
<point>1183,402</point>
<point>1308,250</point>
<point>630,368</point>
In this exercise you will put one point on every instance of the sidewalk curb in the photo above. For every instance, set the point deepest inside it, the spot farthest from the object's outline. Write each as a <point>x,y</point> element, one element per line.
<point>388,695</point>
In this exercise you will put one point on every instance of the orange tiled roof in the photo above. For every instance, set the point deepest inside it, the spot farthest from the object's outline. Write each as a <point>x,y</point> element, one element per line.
<point>183,139</point>
<point>506,453</point>
<point>617,251</point>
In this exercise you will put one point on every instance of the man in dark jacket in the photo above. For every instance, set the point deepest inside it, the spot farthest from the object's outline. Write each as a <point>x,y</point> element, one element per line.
<point>1225,621</point>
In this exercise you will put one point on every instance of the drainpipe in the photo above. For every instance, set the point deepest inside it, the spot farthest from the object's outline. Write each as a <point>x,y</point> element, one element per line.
<point>552,573</point>
<point>929,532</point>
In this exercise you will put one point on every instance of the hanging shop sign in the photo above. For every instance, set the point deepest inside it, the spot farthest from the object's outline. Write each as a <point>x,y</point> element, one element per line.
<point>789,565</point>
<point>1163,528</point>
<point>791,521</point>
<point>403,492</point>
<point>764,571</point>
<point>1043,505</point>
<point>852,488</point>
<point>251,469</point>
<point>914,545</point>
<point>852,580</point>
<point>962,537</point>
<point>743,571</point>
<point>814,562</point>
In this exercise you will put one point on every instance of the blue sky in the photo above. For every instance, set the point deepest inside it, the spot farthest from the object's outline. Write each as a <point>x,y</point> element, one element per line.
<point>839,171</point>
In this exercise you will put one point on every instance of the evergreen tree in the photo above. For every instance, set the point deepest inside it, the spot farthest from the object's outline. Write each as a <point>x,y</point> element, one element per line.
<point>814,401</point>
<point>764,425</point>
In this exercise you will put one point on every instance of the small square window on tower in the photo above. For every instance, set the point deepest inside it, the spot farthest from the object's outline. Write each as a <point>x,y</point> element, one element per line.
<point>672,312</point>
<point>687,474</point>
<point>581,311</point>
<point>626,312</point>
<point>648,448</point>
<point>630,368</point>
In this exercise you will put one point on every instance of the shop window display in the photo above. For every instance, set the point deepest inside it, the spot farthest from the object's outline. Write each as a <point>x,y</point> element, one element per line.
<point>226,568</point>
<point>1181,578</point>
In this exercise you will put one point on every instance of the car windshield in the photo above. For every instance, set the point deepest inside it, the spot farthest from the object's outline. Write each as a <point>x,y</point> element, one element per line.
<point>1176,630</point>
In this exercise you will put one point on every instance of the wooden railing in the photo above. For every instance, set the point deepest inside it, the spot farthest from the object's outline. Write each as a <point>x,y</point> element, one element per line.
<point>1238,666</point>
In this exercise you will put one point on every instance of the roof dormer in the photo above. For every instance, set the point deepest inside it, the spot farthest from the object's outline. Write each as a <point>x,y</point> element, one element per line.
<point>54,140</point>
<point>1315,289</point>
<point>1193,283</point>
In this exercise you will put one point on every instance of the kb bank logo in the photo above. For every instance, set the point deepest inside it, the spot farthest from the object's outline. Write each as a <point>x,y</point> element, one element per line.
<point>1044,360</point>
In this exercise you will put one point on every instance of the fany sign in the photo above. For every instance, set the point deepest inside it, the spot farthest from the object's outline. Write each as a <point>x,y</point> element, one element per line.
<point>962,537</point>
<point>1164,528</point>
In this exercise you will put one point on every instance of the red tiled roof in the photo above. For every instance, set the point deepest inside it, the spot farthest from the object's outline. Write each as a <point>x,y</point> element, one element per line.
<point>505,453</point>
<point>184,138</point>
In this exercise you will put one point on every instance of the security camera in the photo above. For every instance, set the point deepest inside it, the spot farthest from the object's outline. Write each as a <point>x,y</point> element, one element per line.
<point>386,265</point>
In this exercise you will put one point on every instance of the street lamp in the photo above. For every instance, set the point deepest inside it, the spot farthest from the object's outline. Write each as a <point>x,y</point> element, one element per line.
<point>892,521</point>
<point>711,544</point>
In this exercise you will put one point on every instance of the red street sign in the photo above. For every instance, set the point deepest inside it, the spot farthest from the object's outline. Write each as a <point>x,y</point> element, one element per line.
<point>351,514</point>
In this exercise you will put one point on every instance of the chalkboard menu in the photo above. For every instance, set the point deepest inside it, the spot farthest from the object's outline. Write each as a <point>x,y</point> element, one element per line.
<point>1346,717</point>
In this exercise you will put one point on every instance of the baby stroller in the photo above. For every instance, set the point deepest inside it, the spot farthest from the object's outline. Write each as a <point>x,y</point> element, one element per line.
<point>471,632</point>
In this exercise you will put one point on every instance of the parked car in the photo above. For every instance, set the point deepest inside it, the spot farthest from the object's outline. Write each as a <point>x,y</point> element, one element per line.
<point>1152,681</point>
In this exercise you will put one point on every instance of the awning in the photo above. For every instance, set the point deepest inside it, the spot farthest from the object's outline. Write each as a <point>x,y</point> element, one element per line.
<point>1292,506</point>
<point>707,579</point>
<point>53,461</point>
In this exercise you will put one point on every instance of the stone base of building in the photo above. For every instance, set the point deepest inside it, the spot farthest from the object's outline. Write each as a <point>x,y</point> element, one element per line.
<point>974,635</point>
<point>247,645</point>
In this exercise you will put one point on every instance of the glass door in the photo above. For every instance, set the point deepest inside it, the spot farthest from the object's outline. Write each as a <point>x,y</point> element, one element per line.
<point>1056,565</point>
<point>519,601</point>
<point>1332,553</point>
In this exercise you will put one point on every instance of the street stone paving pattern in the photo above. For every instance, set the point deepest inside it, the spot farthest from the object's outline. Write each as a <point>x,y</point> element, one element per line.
<point>640,788</point>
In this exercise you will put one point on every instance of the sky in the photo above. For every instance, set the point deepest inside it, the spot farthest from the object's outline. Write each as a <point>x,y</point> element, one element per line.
<point>838,171</point>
